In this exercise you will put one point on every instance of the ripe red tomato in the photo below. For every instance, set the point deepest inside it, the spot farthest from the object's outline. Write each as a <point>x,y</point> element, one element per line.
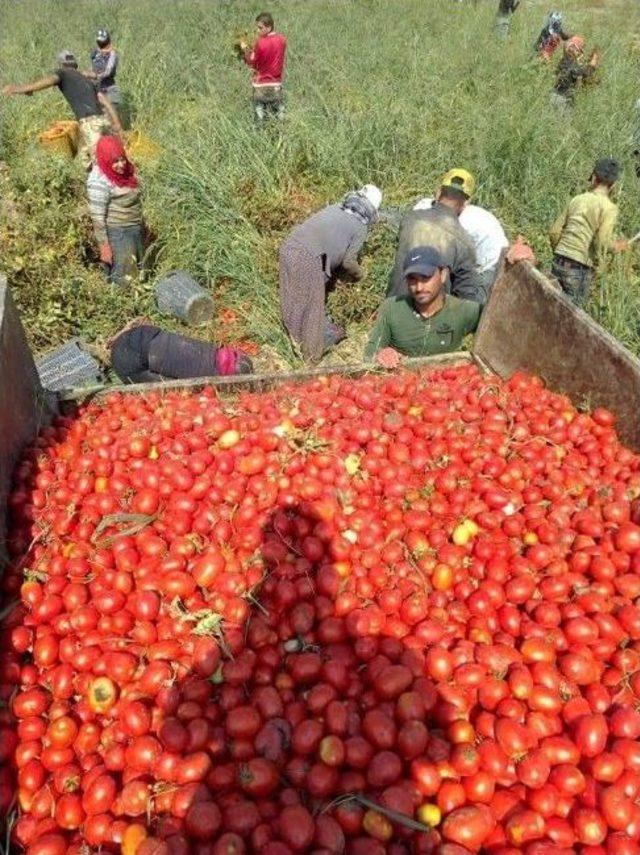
<point>469,826</point>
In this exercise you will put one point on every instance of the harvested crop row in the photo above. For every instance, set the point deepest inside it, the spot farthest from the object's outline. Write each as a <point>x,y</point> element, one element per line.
<point>396,614</point>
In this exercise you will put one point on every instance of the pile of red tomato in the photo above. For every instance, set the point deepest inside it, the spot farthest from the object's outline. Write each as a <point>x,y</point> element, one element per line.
<point>394,614</point>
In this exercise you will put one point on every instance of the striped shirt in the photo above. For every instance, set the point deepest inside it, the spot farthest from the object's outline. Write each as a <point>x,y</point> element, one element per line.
<point>110,205</point>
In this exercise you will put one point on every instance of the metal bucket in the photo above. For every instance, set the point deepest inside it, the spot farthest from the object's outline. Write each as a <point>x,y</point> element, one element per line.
<point>67,367</point>
<point>179,294</point>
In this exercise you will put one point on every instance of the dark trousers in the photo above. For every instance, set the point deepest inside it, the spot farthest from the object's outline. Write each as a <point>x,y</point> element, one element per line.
<point>128,251</point>
<point>575,279</point>
<point>130,355</point>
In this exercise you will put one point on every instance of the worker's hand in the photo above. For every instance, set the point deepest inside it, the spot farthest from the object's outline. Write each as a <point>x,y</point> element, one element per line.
<point>106,254</point>
<point>621,245</point>
<point>520,251</point>
<point>388,357</point>
<point>594,59</point>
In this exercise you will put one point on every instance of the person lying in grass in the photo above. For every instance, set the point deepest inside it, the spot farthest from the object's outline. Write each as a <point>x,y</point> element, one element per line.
<point>144,353</point>
<point>427,321</point>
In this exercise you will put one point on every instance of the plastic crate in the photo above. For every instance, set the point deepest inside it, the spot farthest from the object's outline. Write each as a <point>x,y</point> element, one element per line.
<point>179,294</point>
<point>68,367</point>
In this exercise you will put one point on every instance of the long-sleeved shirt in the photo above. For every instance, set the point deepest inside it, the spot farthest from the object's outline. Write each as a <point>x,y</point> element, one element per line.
<point>401,327</point>
<point>585,228</point>
<point>104,64</point>
<point>110,205</point>
<point>334,235</point>
<point>484,229</point>
<point>267,57</point>
<point>439,227</point>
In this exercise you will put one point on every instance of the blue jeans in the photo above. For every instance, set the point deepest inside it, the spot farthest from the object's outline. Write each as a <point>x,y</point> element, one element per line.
<point>575,279</point>
<point>128,250</point>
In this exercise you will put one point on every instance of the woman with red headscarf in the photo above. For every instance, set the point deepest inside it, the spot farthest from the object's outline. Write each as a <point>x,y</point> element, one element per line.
<point>116,210</point>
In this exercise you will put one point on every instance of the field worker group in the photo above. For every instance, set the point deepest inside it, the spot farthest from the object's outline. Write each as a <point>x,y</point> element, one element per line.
<point>449,251</point>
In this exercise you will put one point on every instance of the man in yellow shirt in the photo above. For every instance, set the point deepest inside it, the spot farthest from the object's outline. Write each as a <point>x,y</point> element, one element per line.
<point>584,232</point>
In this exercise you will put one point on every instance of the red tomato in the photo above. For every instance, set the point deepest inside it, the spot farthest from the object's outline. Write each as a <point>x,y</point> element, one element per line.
<point>469,826</point>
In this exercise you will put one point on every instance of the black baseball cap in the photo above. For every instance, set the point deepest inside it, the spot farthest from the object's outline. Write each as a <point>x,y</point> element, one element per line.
<point>607,169</point>
<point>423,260</point>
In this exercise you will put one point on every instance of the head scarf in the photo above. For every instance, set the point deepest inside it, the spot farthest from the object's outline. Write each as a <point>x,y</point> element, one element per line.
<point>364,203</point>
<point>67,59</point>
<point>108,150</point>
<point>373,194</point>
<point>230,360</point>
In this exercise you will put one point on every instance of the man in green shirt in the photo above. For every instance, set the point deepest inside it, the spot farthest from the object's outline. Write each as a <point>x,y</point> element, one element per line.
<point>584,232</point>
<point>428,320</point>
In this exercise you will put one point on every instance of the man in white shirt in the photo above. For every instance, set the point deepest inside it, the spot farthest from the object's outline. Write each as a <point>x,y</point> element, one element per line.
<point>487,236</point>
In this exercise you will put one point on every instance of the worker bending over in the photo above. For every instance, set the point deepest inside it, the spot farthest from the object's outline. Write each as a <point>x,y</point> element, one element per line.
<point>584,231</point>
<point>487,235</point>
<point>439,227</point>
<point>573,72</point>
<point>550,36</point>
<point>312,257</point>
<point>428,320</point>
<point>87,104</point>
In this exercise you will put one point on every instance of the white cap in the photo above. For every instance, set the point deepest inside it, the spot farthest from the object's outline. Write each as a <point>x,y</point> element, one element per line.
<point>373,194</point>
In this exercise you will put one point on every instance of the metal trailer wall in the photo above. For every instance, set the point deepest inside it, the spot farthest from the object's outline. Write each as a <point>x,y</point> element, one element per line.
<point>528,325</point>
<point>24,407</point>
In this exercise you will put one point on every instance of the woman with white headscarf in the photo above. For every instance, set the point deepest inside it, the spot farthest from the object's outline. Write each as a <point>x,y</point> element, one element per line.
<point>310,258</point>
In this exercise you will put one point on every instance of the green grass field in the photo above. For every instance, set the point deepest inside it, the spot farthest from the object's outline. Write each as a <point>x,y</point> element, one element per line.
<point>387,91</point>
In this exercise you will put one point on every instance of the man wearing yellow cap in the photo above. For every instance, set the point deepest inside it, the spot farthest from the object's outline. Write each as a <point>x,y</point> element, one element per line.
<point>438,227</point>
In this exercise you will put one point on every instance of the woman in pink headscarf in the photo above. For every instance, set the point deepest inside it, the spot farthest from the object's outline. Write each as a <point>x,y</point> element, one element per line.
<point>116,210</point>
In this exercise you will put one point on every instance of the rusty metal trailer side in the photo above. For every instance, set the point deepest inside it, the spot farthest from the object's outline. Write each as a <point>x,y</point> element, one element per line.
<point>531,326</point>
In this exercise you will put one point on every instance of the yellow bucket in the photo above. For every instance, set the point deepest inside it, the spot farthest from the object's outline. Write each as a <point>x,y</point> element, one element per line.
<point>61,137</point>
<point>140,147</point>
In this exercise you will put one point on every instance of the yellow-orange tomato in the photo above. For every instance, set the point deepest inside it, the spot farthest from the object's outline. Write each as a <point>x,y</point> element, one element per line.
<point>101,484</point>
<point>442,577</point>
<point>102,694</point>
<point>377,825</point>
<point>132,838</point>
<point>229,438</point>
